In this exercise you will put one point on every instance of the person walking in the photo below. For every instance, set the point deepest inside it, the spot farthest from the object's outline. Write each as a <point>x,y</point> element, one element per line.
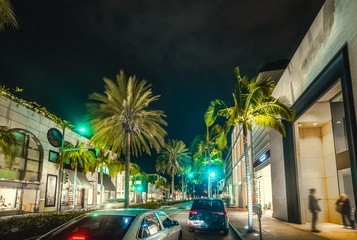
<point>344,208</point>
<point>314,209</point>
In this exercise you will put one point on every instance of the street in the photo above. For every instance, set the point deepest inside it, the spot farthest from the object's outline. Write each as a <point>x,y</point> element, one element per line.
<point>180,213</point>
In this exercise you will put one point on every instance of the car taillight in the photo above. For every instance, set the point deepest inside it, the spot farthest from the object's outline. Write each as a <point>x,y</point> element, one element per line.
<point>193,212</point>
<point>222,213</point>
<point>78,237</point>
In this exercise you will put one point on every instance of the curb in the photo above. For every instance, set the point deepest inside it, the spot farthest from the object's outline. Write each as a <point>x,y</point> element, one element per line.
<point>236,233</point>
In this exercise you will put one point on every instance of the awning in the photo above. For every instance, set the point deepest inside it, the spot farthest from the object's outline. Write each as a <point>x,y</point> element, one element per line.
<point>107,182</point>
<point>84,181</point>
<point>70,174</point>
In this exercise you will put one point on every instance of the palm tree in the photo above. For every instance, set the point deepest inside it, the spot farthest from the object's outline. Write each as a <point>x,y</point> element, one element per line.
<point>172,159</point>
<point>7,15</point>
<point>122,121</point>
<point>253,105</point>
<point>204,147</point>
<point>76,156</point>
<point>103,161</point>
<point>8,145</point>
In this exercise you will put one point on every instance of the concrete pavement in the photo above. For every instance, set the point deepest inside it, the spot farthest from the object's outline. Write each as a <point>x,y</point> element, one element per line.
<point>275,229</point>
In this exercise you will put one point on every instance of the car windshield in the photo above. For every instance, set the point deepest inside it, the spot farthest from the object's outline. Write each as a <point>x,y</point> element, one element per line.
<point>209,205</point>
<point>93,227</point>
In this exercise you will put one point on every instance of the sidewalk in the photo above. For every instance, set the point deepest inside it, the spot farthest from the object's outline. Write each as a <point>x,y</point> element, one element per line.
<point>275,229</point>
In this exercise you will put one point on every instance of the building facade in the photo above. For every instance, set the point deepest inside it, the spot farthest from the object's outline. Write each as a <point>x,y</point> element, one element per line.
<point>31,185</point>
<point>319,150</point>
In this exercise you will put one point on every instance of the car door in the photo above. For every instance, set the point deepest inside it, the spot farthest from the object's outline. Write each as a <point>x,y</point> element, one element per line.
<point>151,229</point>
<point>173,231</point>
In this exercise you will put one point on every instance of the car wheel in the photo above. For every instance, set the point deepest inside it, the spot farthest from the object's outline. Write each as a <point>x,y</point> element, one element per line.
<point>191,230</point>
<point>225,232</point>
<point>180,236</point>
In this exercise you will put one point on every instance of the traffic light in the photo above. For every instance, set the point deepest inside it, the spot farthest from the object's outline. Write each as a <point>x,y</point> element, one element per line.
<point>213,174</point>
<point>139,188</point>
<point>190,174</point>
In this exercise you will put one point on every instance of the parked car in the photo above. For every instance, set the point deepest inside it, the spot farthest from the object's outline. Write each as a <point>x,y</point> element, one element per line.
<point>113,203</point>
<point>127,224</point>
<point>208,214</point>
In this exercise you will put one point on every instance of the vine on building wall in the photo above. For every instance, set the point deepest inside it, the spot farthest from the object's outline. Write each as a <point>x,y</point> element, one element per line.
<point>32,105</point>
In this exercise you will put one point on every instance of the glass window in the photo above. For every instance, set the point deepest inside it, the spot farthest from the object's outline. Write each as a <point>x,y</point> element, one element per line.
<point>209,205</point>
<point>53,156</point>
<point>153,224</point>
<point>96,226</point>
<point>144,231</point>
<point>91,194</point>
<point>165,220</point>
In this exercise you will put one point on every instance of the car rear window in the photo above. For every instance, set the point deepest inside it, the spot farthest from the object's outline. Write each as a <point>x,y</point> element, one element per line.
<point>209,205</point>
<point>94,227</point>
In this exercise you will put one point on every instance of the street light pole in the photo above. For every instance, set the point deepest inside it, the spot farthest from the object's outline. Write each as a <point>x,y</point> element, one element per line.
<point>60,174</point>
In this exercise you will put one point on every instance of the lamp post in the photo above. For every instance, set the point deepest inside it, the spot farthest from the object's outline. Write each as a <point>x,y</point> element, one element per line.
<point>60,174</point>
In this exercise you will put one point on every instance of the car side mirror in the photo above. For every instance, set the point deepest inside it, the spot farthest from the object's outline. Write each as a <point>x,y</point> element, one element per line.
<point>175,223</point>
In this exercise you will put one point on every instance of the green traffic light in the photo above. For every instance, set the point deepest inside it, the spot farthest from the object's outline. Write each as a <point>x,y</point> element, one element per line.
<point>213,174</point>
<point>190,174</point>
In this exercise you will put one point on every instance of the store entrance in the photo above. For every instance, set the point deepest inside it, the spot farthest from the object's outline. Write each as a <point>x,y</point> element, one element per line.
<point>263,189</point>
<point>323,156</point>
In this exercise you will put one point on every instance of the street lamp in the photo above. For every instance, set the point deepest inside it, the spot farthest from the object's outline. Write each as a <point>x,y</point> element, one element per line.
<point>213,174</point>
<point>82,129</point>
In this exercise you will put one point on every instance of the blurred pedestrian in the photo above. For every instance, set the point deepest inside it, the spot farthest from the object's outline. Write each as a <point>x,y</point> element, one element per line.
<point>314,209</point>
<point>344,208</point>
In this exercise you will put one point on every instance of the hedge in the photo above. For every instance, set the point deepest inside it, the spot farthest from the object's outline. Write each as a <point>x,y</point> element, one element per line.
<point>21,227</point>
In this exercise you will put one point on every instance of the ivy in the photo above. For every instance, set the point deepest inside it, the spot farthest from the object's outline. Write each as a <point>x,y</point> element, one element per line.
<point>34,106</point>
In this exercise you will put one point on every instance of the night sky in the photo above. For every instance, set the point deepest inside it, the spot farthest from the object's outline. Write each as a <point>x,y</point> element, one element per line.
<point>187,50</point>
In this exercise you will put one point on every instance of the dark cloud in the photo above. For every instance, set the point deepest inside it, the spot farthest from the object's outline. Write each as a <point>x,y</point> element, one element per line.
<point>186,49</point>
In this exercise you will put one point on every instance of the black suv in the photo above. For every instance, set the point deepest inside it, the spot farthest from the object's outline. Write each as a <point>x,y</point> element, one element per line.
<point>208,214</point>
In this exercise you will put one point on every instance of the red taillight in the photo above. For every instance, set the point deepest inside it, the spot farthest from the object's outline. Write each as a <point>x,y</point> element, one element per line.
<point>193,212</point>
<point>222,213</point>
<point>78,237</point>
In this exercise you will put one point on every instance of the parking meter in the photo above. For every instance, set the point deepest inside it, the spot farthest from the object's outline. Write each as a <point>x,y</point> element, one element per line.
<point>258,211</point>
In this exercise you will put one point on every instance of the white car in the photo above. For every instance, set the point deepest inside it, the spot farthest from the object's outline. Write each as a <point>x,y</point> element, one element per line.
<point>127,224</point>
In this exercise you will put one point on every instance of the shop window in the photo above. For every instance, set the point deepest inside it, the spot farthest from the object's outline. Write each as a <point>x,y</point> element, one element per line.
<point>21,146</point>
<point>51,187</point>
<point>91,194</point>
<point>53,156</point>
<point>9,199</point>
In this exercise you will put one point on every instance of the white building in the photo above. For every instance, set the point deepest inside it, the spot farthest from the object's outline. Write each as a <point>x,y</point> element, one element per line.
<point>31,185</point>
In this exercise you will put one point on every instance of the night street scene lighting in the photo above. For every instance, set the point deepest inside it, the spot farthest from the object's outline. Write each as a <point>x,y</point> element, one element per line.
<point>178,120</point>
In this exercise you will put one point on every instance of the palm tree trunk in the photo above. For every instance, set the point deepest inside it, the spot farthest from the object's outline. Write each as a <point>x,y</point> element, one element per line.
<point>183,187</point>
<point>127,166</point>
<point>75,188</point>
<point>101,186</point>
<point>173,185</point>
<point>248,180</point>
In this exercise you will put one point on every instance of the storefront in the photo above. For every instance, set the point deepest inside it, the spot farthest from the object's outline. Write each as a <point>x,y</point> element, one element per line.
<point>319,150</point>
<point>262,183</point>
<point>19,187</point>
<point>109,188</point>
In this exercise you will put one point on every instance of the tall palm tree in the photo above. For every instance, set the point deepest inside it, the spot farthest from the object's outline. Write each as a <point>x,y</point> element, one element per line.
<point>122,121</point>
<point>104,161</point>
<point>206,147</point>
<point>8,145</point>
<point>7,15</point>
<point>77,156</point>
<point>253,105</point>
<point>172,159</point>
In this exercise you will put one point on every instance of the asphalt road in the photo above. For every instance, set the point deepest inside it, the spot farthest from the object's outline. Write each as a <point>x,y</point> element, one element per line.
<point>180,213</point>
